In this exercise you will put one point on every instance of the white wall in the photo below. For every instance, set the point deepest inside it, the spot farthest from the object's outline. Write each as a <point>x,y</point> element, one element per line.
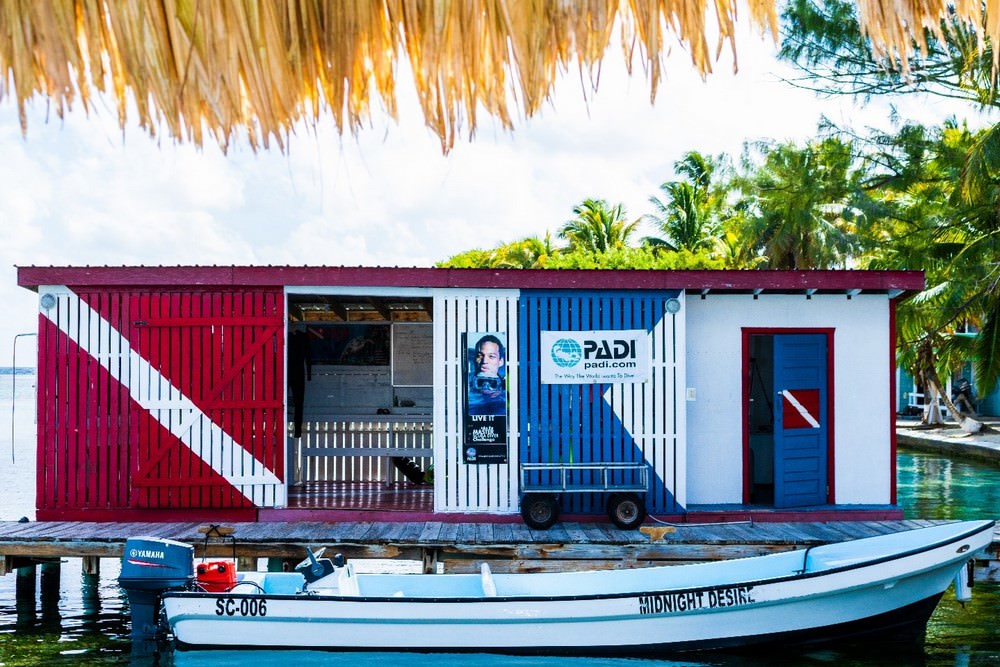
<point>861,398</point>
<point>459,487</point>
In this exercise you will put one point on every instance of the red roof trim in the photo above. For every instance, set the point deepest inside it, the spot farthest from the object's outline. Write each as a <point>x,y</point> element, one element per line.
<point>297,276</point>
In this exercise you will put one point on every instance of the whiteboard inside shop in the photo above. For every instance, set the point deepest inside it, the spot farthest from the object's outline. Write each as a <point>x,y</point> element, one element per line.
<point>412,354</point>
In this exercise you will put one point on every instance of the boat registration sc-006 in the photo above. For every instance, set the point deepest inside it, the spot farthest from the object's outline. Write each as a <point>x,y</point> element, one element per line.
<point>241,607</point>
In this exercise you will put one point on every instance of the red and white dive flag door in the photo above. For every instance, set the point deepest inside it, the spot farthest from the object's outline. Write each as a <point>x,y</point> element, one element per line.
<point>155,400</point>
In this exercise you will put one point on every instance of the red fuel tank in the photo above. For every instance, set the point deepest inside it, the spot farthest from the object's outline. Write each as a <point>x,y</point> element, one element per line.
<point>217,576</point>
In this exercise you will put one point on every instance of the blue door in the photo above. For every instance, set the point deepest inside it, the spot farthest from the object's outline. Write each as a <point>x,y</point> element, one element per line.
<point>801,420</point>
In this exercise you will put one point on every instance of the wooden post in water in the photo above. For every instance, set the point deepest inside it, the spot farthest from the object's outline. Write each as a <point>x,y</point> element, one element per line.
<point>91,580</point>
<point>90,591</point>
<point>92,565</point>
<point>25,585</point>
<point>24,596</point>
<point>50,580</point>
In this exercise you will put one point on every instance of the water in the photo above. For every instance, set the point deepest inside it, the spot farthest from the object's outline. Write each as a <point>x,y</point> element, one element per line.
<point>88,625</point>
<point>934,487</point>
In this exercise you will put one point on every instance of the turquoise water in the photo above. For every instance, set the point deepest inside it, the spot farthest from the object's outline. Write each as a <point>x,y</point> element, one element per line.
<point>87,625</point>
<point>934,487</point>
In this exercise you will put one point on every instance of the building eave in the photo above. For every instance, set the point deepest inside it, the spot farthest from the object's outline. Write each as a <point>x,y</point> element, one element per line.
<point>850,282</point>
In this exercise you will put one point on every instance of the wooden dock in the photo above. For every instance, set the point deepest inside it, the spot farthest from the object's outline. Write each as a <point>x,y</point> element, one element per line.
<point>452,547</point>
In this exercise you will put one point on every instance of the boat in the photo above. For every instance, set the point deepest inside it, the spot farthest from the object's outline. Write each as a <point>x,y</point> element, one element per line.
<point>877,588</point>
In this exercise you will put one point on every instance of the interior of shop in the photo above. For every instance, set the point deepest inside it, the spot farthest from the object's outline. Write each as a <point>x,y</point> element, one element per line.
<point>360,401</point>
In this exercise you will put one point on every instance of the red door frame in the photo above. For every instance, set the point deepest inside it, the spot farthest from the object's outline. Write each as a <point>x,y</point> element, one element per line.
<point>892,402</point>
<point>747,332</point>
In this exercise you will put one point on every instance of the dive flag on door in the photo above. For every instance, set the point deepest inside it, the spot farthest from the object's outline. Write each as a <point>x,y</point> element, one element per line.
<point>800,408</point>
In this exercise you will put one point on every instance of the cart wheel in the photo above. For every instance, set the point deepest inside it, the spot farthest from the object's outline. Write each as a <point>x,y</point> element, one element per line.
<point>539,510</point>
<point>613,499</point>
<point>626,510</point>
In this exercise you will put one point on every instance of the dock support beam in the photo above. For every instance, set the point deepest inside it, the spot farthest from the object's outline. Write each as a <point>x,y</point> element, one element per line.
<point>90,592</point>
<point>92,565</point>
<point>24,596</point>
<point>50,581</point>
<point>429,558</point>
<point>24,587</point>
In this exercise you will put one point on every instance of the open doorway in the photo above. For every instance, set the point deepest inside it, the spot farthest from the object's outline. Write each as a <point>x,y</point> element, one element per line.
<point>360,401</point>
<point>760,424</point>
<point>787,429</point>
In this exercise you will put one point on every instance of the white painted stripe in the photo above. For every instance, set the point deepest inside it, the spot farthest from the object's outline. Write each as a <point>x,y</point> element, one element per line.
<point>659,396</point>
<point>800,408</point>
<point>171,408</point>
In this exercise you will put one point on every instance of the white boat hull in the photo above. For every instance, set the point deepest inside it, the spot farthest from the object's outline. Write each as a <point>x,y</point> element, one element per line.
<point>887,585</point>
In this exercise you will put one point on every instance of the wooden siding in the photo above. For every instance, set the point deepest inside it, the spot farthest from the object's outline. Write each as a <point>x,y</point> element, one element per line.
<point>460,487</point>
<point>160,400</point>
<point>590,423</point>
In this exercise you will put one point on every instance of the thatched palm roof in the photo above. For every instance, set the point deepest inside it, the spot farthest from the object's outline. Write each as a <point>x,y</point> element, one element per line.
<point>260,66</point>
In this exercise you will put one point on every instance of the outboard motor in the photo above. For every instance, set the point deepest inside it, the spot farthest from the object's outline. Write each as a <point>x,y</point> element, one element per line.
<point>150,566</point>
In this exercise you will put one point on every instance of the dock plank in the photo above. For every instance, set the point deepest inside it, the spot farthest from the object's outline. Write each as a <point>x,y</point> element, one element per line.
<point>848,531</point>
<point>503,533</point>
<point>574,533</point>
<point>429,532</point>
<point>449,533</point>
<point>822,532</point>
<point>411,533</point>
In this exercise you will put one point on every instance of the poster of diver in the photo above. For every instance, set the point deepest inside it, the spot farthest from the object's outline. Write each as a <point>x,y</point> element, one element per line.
<point>486,397</point>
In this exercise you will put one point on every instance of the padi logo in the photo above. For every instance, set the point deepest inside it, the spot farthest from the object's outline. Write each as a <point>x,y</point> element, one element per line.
<point>147,553</point>
<point>595,353</point>
<point>566,352</point>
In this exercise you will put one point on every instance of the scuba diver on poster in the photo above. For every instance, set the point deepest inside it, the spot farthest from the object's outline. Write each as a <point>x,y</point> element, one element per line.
<point>487,381</point>
<point>486,400</point>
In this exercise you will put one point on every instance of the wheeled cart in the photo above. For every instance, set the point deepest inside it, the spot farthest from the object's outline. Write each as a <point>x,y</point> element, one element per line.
<point>624,484</point>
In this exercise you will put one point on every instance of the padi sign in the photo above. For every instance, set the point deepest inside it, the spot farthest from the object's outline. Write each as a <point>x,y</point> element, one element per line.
<point>594,357</point>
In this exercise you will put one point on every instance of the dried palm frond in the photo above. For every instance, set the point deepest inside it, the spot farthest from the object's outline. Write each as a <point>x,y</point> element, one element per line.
<point>897,29</point>
<point>261,66</point>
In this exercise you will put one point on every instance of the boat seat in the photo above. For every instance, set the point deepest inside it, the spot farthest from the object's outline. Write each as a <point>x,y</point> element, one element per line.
<point>347,581</point>
<point>489,586</point>
<point>282,583</point>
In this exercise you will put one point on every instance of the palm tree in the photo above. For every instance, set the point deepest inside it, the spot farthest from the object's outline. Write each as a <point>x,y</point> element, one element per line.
<point>687,213</point>
<point>939,199</point>
<point>801,205</point>
<point>598,227</point>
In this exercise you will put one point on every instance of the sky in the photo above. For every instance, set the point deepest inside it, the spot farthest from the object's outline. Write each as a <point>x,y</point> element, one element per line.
<point>82,191</point>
